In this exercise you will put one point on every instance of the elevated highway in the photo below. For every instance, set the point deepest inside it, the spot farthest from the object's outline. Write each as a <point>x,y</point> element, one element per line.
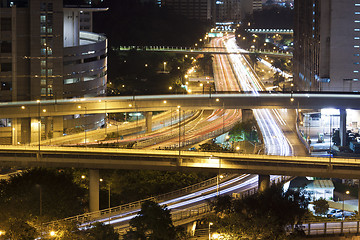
<point>107,158</point>
<point>209,101</point>
<point>202,50</point>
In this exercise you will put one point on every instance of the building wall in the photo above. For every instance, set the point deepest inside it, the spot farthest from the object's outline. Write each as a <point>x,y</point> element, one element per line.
<point>193,9</point>
<point>327,45</point>
<point>41,48</point>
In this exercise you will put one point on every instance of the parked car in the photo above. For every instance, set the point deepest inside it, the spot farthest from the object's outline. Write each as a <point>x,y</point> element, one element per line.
<point>337,213</point>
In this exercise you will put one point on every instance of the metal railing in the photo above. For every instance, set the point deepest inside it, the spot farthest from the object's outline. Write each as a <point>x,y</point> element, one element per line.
<point>91,216</point>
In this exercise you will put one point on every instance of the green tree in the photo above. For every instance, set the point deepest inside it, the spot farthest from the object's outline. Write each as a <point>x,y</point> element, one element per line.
<point>263,215</point>
<point>243,131</point>
<point>100,231</point>
<point>42,193</point>
<point>321,206</point>
<point>18,229</point>
<point>153,222</point>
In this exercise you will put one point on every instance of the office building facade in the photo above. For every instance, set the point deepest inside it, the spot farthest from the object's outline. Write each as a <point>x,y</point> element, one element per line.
<point>327,45</point>
<point>45,55</point>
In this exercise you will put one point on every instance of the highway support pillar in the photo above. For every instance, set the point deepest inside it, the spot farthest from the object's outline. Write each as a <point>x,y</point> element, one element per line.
<point>342,130</point>
<point>94,189</point>
<point>25,130</point>
<point>35,130</point>
<point>263,182</point>
<point>15,129</point>
<point>58,126</point>
<point>148,120</point>
<point>247,115</point>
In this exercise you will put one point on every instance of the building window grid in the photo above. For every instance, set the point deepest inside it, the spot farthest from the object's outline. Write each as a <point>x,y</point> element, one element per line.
<point>46,30</point>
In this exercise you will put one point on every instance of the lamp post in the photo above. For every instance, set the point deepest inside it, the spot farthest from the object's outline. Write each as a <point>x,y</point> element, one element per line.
<point>210,224</point>
<point>343,207</point>
<point>164,66</point>
<point>330,124</point>
<point>39,124</point>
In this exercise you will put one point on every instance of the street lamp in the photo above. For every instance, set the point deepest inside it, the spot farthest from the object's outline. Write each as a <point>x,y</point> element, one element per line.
<point>164,66</point>
<point>39,124</point>
<point>210,224</point>
<point>343,208</point>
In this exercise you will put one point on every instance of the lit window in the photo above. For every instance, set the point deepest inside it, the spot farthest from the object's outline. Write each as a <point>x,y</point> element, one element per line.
<point>356,71</point>
<point>356,38</point>
<point>43,72</point>
<point>43,29</point>
<point>356,63</point>
<point>43,63</point>
<point>43,91</point>
<point>43,81</point>
<point>43,51</point>
<point>356,46</point>
<point>357,21</point>
<point>42,18</point>
<point>50,72</point>
<point>357,13</point>
<point>357,4</point>
<point>357,30</point>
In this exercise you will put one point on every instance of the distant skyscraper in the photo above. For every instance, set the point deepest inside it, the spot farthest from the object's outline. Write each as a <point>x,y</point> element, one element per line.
<point>327,45</point>
<point>193,9</point>
<point>235,10</point>
<point>44,55</point>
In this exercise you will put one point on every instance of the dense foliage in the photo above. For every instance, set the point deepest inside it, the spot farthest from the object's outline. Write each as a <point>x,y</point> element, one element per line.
<point>265,215</point>
<point>132,185</point>
<point>321,206</point>
<point>40,193</point>
<point>152,222</point>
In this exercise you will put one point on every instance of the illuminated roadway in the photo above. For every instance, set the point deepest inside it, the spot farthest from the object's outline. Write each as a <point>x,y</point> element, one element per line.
<point>227,100</point>
<point>109,158</point>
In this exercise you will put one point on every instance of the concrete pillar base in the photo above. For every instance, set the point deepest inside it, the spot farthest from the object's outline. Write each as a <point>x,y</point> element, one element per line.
<point>148,118</point>
<point>94,190</point>
<point>264,182</point>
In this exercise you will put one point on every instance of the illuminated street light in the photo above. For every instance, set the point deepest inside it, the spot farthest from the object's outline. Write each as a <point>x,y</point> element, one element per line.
<point>170,88</point>
<point>164,101</point>
<point>2,232</point>
<point>210,224</point>
<point>22,107</point>
<point>52,233</point>
<point>164,66</point>
<point>83,176</point>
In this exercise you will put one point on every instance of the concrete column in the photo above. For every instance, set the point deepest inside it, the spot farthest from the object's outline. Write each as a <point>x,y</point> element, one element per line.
<point>35,130</point>
<point>48,127</point>
<point>264,182</point>
<point>247,114</point>
<point>148,116</point>
<point>58,126</point>
<point>15,130</point>
<point>25,130</point>
<point>342,129</point>
<point>94,189</point>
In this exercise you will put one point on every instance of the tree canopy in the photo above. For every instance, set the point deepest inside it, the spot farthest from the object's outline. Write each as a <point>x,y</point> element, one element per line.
<point>49,193</point>
<point>153,222</point>
<point>264,215</point>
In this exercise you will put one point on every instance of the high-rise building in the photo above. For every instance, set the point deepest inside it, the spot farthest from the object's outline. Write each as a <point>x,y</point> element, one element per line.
<point>44,56</point>
<point>193,9</point>
<point>235,10</point>
<point>327,45</point>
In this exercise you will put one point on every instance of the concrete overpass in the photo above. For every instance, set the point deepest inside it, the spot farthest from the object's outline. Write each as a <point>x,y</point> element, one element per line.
<point>270,31</point>
<point>210,101</point>
<point>202,50</point>
<point>108,158</point>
